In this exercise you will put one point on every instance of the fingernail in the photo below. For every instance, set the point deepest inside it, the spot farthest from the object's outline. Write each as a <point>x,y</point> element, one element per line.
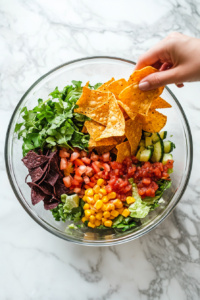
<point>144,86</point>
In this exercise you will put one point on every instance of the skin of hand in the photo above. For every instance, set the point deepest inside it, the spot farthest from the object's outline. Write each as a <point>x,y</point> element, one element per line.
<point>178,59</point>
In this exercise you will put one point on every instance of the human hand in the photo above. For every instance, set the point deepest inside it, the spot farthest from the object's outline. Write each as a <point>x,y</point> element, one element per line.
<point>177,57</point>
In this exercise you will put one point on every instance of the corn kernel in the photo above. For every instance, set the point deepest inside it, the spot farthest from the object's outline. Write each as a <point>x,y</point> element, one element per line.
<point>86,206</point>
<point>90,200</point>
<point>96,189</point>
<point>97,223</point>
<point>112,195</point>
<point>104,207</point>
<point>103,220</point>
<point>100,195</point>
<point>118,203</point>
<point>106,214</point>
<point>93,211</point>
<point>107,223</point>
<point>96,197</point>
<point>100,182</point>
<point>99,216</point>
<point>110,206</point>
<point>84,198</point>
<point>92,219</point>
<point>120,210</point>
<point>114,213</point>
<point>126,212</point>
<point>112,217</point>
<point>91,225</point>
<point>103,192</point>
<point>87,213</point>
<point>105,199</point>
<point>130,200</point>
<point>98,204</point>
<point>84,219</point>
<point>89,192</point>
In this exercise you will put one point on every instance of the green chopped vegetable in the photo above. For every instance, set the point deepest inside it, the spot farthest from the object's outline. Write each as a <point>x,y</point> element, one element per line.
<point>70,202</point>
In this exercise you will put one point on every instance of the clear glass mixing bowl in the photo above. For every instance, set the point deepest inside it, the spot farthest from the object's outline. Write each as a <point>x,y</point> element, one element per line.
<point>98,69</point>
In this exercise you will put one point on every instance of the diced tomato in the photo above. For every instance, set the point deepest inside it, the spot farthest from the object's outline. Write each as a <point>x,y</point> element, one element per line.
<point>93,179</point>
<point>99,164</point>
<point>106,156</point>
<point>89,171</point>
<point>83,153</point>
<point>131,171</point>
<point>80,170</point>
<point>95,168</point>
<point>75,182</point>
<point>63,163</point>
<point>115,165</point>
<point>94,157</point>
<point>86,179</point>
<point>91,184</point>
<point>169,164</point>
<point>77,190</point>
<point>63,153</point>
<point>74,156</point>
<point>86,160</point>
<point>146,181</point>
<point>106,167</point>
<point>67,181</point>
<point>78,178</point>
<point>78,162</point>
<point>86,186</point>
<point>108,188</point>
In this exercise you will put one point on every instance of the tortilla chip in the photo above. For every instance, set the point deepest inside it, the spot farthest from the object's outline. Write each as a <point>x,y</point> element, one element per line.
<point>87,84</point>
<point>154,122</point>
<point>133,132</point>
<point>102,143</point>
<point>103,149</point>
<point>84,129</point>
<point>140,74</point>
<point>126,116</point>
<point>94,129</point>
<point>160,103</point>
<point>124,150</point>
<point>119,139</point>
<point>114,150</point>
<point>116,123</point>
<point>137,100</point>
<point>131,114</point>
<point>100,114</point>
<point>104,87</point>
<point>90,100</point>
<point>117,86</point>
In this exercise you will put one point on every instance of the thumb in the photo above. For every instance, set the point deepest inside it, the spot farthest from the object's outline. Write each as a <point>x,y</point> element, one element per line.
<point>159,79</point>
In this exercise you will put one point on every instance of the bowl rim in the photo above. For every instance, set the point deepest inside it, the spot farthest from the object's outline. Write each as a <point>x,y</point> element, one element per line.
<point>43,223</point>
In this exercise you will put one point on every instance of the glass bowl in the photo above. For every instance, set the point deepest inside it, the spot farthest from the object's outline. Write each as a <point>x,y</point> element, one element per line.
<point>98,69</point>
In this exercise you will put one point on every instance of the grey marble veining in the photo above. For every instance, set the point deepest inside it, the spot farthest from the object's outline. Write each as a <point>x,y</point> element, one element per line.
<point>36,36</point>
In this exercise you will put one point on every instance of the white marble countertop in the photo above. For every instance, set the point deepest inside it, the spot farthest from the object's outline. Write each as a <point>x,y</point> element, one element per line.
<point>36,36</point>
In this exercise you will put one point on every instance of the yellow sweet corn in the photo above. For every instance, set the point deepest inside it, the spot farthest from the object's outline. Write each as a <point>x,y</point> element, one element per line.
<point>103,220</point>
<point>96,189</point>
<point>103,192</point>
<point>96,197</point>
<point>114,213</point>
<point>84,219</point>
<point>111,195</point>
<point>104,207</point>
<point>110,206</point>
<point>100,195</point>
<point>98,204</point>
<point>120,210</point>
<point>112,217</point>
<point>86,206</point>
<point>91,225</point>
<point>106,214</point>
<point>126,212</point>
<point>84,198</point>
<point>89,192</point>
<point>100,182</point>
<point>97,223</point>
<point>118,203</point>
<point>87,213</point>
<point>130,200</point>
<point>92,219</point>
<point>99,216</point>
<point>105,199</point>
<point>107,223</point>
<point>90,200</point>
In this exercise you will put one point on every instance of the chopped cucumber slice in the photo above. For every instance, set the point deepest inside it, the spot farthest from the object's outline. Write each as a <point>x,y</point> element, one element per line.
<point>155,137</point>
<point>166,157</point>
<point>168,146</point>
<point>146,154</point>
<point>142,148</point>
<point>170,171</point>
<point>147,133</point>
<point>151,147</point>
<point>148,141</point>
<point>142,143</point>
<point>158,151</point>
<point>163,134</point>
